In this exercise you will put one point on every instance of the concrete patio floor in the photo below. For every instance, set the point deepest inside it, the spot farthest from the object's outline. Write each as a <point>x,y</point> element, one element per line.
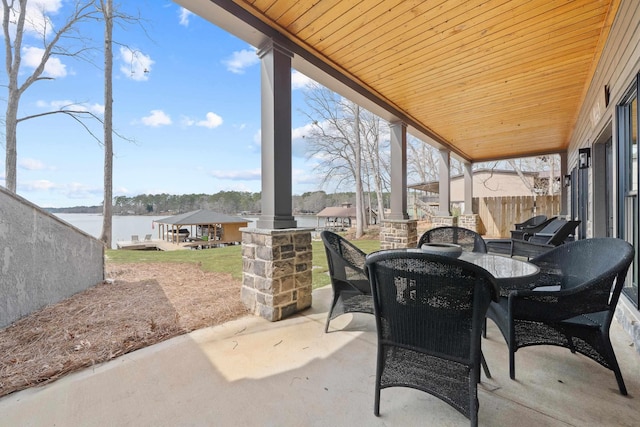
<point>251,372</point>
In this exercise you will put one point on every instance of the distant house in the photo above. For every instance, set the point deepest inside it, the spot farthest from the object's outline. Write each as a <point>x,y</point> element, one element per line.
<point>337,217</point>
<point>486,183</point>
<point>202,225</point>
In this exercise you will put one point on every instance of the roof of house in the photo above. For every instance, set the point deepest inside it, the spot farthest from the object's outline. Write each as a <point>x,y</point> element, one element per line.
<point>202,217</point>
<point>337,212</point>
<point>433,186</point>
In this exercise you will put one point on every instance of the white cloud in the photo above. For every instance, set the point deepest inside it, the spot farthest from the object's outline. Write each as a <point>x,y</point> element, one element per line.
<point>298,141</point>
<point>39,185</point>
<point>135,64</point>
<point>31,164</point>
<point>184,16</point>
<point>77,190</point>
<point>245,175</point>
<point>300,81</point>
<point>240,60</point>
<point>304,177</point>
<point>156,118</point>
<point>122,191</point>
<point>37,21</point>
<point>32,56</point>
<point>186,121</point>
<point>65,104</point>
<point>212,121</point>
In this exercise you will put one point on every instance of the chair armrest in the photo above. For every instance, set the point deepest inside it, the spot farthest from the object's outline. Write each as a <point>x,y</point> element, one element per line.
<point>528,249</point>
<point>552,305</point>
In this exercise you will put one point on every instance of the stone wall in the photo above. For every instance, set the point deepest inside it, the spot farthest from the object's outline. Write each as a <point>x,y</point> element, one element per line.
<point>471,222</point>
<point>43,259</point>
<point>276,278</point>
<point>444,221</point>
<point>395,234</point>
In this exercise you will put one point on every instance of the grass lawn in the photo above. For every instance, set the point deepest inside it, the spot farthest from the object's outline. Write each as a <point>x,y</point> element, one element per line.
<point>229,259</point>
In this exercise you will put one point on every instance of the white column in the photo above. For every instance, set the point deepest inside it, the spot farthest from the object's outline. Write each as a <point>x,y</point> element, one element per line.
<point>444,184</point>
<point>564,192</point>
<point>275,79</point>
<point>468,188</point>
<point>398,171</point>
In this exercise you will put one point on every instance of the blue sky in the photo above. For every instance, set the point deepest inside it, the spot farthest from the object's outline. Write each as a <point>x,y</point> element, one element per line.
<point>193,116</point>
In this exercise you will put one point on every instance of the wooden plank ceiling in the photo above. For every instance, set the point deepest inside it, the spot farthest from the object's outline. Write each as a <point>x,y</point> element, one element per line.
<point>493,78</point>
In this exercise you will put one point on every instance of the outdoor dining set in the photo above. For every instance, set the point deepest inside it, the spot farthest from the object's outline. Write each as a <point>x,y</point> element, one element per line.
<point>431,303</point>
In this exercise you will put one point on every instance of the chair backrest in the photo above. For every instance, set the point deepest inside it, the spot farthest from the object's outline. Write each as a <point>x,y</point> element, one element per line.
<point>531,222</point>
<point>552,226</point>
<point>468,239</point>
<point>346,261</point>
<point>557,233</point>
<point>592,265</point>
<point>430,303</point>
<point>147,237</point>
<point>134,238</point>
<point>526,232</point>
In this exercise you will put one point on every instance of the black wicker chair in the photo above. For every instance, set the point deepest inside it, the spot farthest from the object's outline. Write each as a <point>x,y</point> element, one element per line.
<point>555,234</point>
<point>589,274</point>
<point>351,289</point>
<point>429,314</point>
<point>468,239</point>
<point>526,231</point>
<point>531,222</point>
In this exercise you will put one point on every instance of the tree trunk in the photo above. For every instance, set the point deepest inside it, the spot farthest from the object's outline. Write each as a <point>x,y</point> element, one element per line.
<point>107,203</point>
<point>11,137</point>
<point>358,176</point>
<point>13,59</point>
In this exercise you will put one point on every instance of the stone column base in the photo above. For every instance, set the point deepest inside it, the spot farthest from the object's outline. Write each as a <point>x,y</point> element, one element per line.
<point>276,271</point>
<point>396,234</point>
<point>472,222</point>
<point>444,221</point>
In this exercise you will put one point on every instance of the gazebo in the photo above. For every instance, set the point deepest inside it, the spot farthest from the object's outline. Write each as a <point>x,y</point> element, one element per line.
<point>337,217</point>
<point>202,226</point>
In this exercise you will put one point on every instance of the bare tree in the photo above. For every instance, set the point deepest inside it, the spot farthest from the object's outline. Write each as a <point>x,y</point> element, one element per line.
<point>15,21</point>
<point>345,140</point>
<point>422,161</point>
<point>335,141</point>
<point>376,152</point>
<point>107,203</point>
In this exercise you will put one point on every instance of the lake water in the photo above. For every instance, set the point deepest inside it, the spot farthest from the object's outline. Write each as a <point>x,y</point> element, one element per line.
<point>126,226</point>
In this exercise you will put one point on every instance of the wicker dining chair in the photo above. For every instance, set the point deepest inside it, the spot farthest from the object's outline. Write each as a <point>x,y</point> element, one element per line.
<point>589,275</point>
<point>429,313</point>
<point>468,239</point>
<point>350,285</point>
<point>531,222</point>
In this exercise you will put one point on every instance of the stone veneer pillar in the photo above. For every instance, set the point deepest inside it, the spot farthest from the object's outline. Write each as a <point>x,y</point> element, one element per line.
<point>471,222</point>
<point>396,234</point>
<point>276,276</point>
<point>444,221</point>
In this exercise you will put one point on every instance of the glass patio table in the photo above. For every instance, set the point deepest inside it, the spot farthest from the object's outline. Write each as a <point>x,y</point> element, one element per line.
<point>510,273</point>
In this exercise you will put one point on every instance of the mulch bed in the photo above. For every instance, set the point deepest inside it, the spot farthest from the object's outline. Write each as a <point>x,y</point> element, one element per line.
<point>137,306</point>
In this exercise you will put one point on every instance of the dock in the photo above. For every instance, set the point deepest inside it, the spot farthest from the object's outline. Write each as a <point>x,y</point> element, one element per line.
<point>163,245</point>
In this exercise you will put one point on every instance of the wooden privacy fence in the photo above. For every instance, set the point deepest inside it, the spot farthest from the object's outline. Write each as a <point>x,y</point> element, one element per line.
<point>498,214</point>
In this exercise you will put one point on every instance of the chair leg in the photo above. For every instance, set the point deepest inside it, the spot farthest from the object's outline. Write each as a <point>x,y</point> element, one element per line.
<point>485,367</point>
<point>484,328</point>
<point>376,404</point>
<point>621,386</point>
<point>333,304</point>
<point>512,364</point>
<point>613,362</point>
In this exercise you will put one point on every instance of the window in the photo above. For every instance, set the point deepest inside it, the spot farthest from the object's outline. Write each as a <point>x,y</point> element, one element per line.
<point>628,176</point>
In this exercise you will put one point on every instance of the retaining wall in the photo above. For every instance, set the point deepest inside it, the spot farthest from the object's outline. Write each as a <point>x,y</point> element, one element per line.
<point>43,259</point>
